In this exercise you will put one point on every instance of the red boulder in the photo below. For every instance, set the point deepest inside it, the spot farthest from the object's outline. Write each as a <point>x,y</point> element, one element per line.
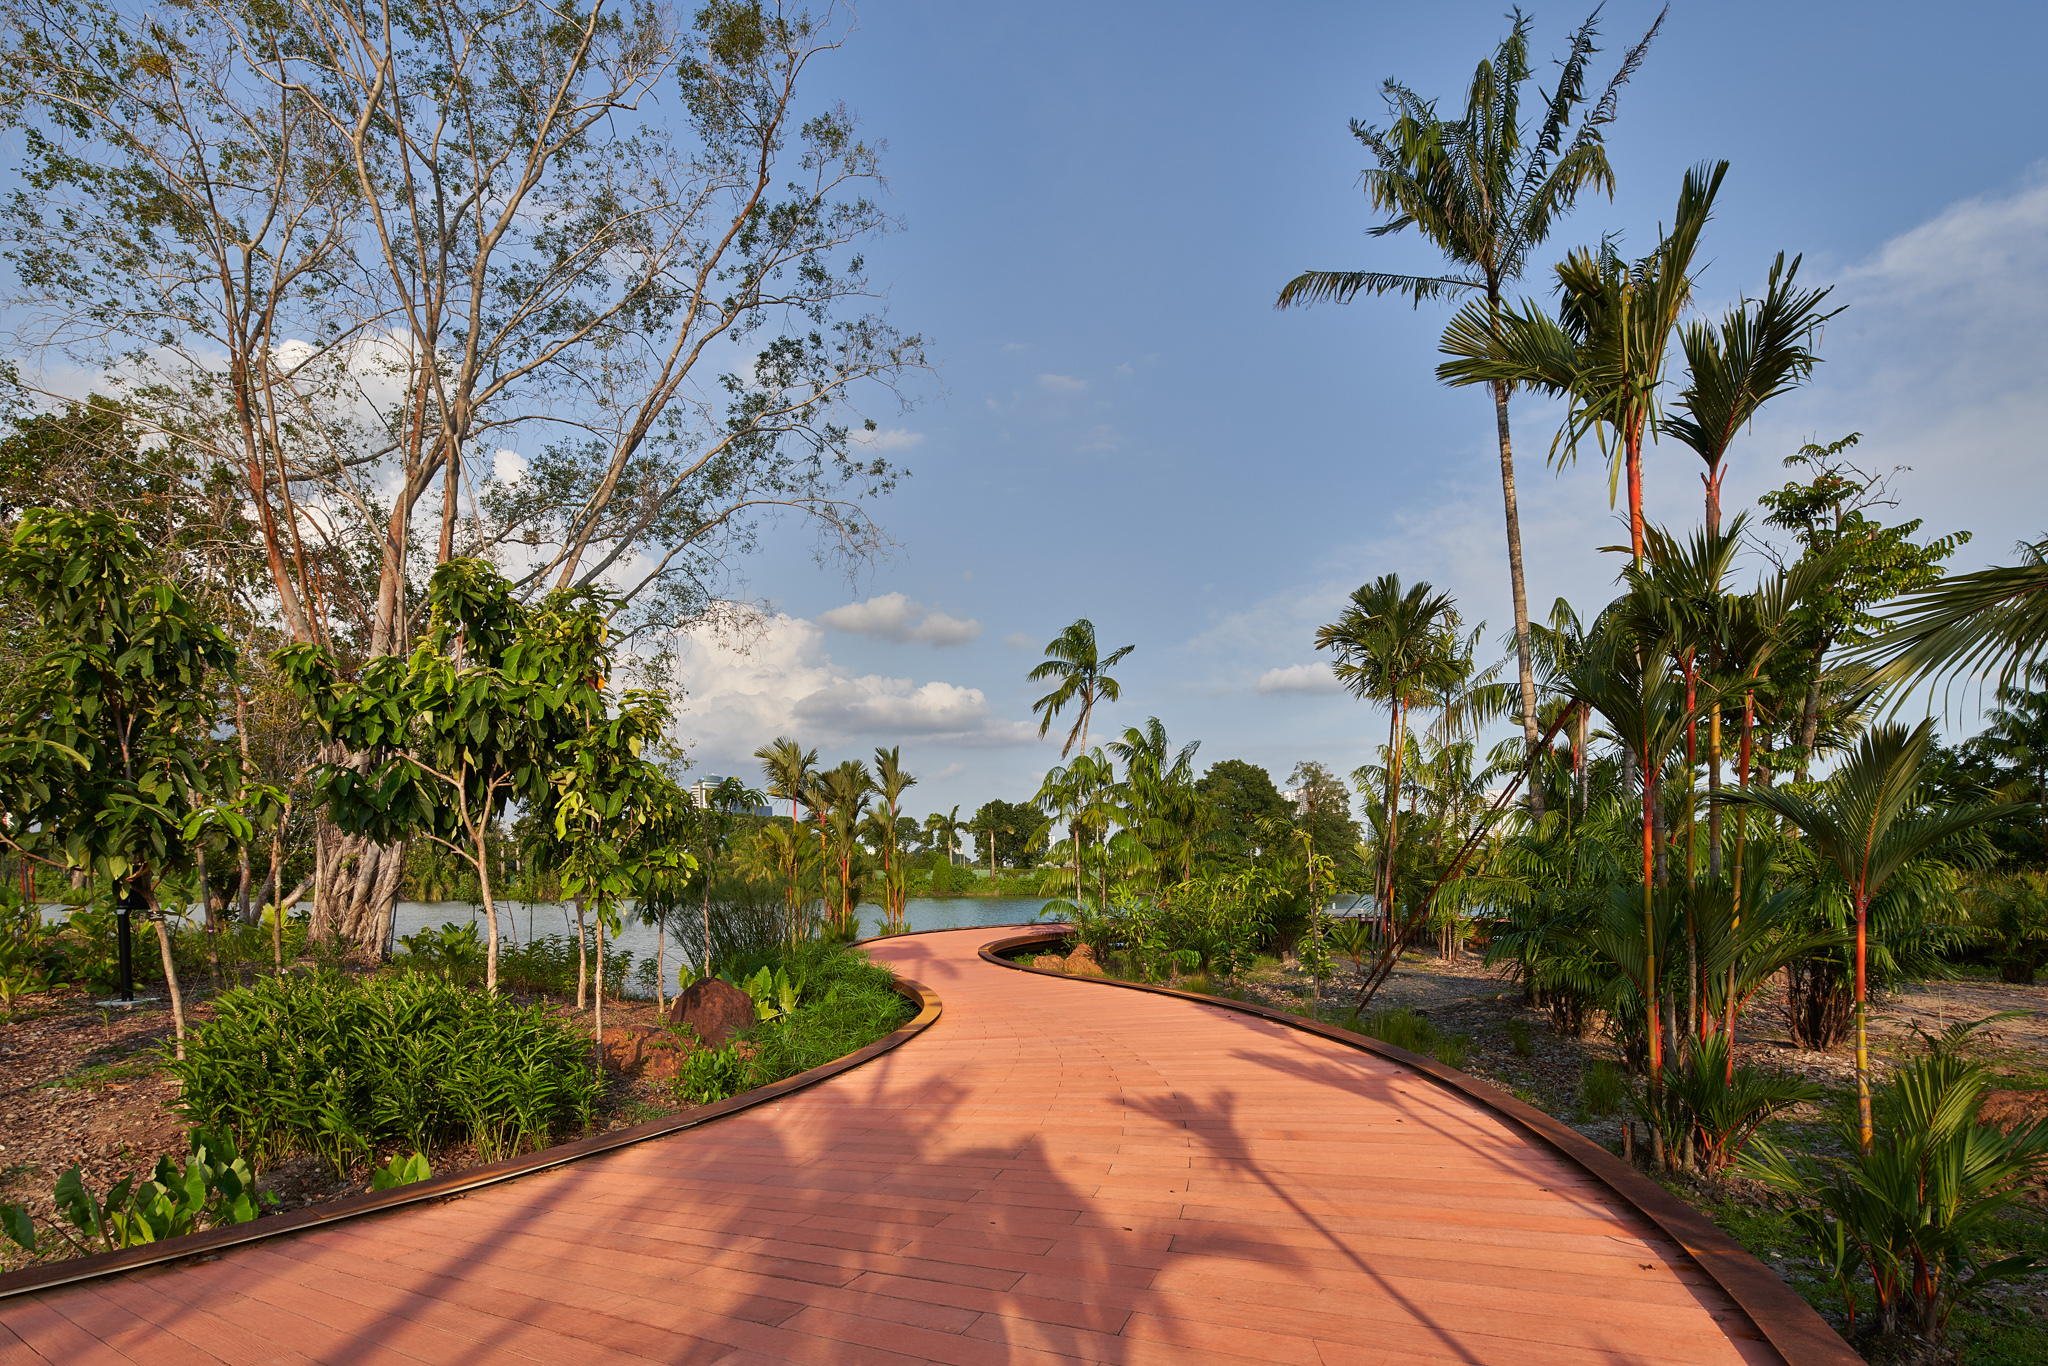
<point>714,1010</point>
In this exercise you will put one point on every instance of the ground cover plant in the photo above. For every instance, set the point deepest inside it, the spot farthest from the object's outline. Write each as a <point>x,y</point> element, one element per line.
<point>348,1069</point>
<point>817,1001</point>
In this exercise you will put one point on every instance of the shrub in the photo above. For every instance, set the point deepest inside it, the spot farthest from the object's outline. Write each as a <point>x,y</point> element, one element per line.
<point>843,1003</point>
<point>1720,1112</point>
<point>1916,1210</point>
<point>1602,1087</point>
<point>548,964</point>
<point>213,1185</point>
<point>343,1068</point>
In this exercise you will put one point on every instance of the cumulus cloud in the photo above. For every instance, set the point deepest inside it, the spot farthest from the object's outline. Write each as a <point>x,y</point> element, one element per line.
<point>1062,384</point>
<point>784,683</point>
<point>892,616</point>
<point>508,467</point>
<point>1315,678</point>
<point>889,439</point>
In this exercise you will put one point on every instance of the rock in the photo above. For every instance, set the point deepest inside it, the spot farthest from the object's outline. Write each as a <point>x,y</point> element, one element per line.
<point>648,1051</point>
<point>1051,961</point>
<point>714,1010</point>
<point>1081,962</point>
<point>2011,1110</point>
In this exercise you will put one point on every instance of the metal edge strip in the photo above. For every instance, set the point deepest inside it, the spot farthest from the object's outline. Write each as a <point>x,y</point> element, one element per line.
<point>1791,1325</point>
<point>54,1274</point>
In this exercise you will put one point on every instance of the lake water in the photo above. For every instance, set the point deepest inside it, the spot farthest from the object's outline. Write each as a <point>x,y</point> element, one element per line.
<point>524,920</point>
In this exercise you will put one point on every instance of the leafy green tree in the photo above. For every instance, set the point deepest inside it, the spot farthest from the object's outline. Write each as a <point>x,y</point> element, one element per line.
<point>1162,804</point>
<point>1074,660</point>
<point>1014,834</point>
<point>1243,798</point>
<point>1606,350</point>
<point>1870,563</point>
<point>107,761</point>
<point>1485,198</point>
<point>1867,820</point>
<point>481,712</point>
<point>1323,811</point>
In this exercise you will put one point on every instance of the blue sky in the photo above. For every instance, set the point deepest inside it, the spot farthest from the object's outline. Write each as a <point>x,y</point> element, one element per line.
<point>1098,204</point>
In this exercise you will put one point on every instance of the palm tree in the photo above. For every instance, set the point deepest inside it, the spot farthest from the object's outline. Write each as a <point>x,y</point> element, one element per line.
<point>891,781</point>
<point>843,792</point>
<point>1866,821</point>
<point>1606,350</point>
<point>1994,619</point>
<point>1758,352</point>
<point>788,767</point>
<point>1486,199</point>
<point>1395,647</point>
<point>944,830</point>
<point>1073,659</point>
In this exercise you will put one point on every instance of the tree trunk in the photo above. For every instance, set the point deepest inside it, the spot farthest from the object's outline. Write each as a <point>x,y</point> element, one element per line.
<point>582,957</point>
<point>483,876</point>
<point>1530,731</point>
<point>1863,1125</point>
<point>600,992</point>
<point>1809,722</point>
<point>163,942</point>
<point>357,885</point>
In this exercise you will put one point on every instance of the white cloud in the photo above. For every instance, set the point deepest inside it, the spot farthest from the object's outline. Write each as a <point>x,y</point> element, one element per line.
<point>508,467</point>
<point>1062,384</point>
<point>893,616</point>
<point>1017,640</point>
<point>1315,678</point>
<point>1102,437</point>
<point>783,683</point>
<point>889,439</point>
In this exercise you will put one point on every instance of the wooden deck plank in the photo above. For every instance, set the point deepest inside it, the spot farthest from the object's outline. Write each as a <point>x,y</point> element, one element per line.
<point>1054,1173</point>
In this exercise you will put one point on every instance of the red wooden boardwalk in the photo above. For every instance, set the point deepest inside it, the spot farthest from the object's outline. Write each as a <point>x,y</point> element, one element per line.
<point>1054,1172</point>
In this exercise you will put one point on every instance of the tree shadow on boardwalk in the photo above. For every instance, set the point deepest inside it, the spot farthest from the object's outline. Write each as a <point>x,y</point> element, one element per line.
<point>1030,1181</point>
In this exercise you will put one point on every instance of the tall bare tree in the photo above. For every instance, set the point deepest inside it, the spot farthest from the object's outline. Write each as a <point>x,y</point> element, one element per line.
<point>410,237</point>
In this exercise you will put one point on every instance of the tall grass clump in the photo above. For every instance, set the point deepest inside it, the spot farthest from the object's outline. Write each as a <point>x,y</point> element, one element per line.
<point>844,1003</point>
<point>343,1068</point>
<point>1406,1029</point>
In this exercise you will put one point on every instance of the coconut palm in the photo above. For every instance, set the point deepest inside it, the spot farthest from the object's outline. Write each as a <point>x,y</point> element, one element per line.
<point>1867,820</point>
<point>1396,646</point>
<point>1758,351</point>
<point>944,830</point>
<point>788,767</point>
<point>1605,352</point>
<point>1485,198</point>
<point>842,795</point>
<point>1073,658</point>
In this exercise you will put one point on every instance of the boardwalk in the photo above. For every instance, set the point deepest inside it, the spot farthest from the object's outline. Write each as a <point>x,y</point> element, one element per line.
<point>1056,1172</point>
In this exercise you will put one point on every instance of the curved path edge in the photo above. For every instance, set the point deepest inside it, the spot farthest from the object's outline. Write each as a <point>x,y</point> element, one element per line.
<point>73,1270</point>
<point>1788,1323</point>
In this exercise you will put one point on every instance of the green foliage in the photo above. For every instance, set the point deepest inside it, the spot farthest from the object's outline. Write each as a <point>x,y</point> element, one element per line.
<point>212,1187</point>
<point>771,992</point>
<point>2010,918</point>
<point>1212,924</point>
<point>1916,1210</point>
<point>453,951</point>
<point>402,1170</point>
<point>1016,830</point>
<point>107,750</point>
<point>843,1002</point>
<point>1243,796</point>
<point>547,964</point>
<point>1405,1029</point>
<point>1603,1087</point>
<point>1721,1109</point>
<point>342,1068</point>
<point>1519,1039</point>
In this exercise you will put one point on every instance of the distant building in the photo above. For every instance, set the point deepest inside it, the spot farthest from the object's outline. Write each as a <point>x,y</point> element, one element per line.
<point>700,793</point>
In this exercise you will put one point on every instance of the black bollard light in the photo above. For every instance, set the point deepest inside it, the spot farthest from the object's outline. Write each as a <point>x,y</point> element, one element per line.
<point>130,901</point>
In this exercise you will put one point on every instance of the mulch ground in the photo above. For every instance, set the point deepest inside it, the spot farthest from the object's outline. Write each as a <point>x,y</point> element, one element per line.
<point>79,1086</point>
